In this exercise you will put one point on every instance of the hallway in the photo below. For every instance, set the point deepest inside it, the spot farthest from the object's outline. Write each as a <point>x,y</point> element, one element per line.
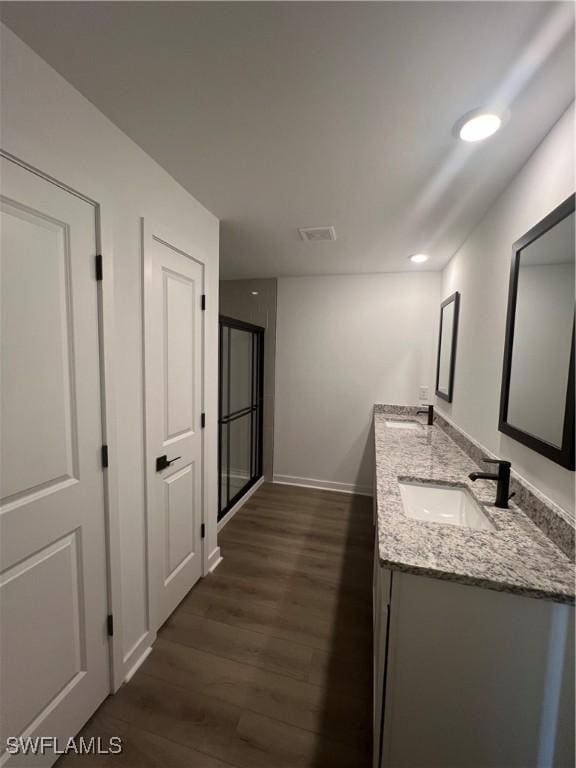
<point>267,662</point>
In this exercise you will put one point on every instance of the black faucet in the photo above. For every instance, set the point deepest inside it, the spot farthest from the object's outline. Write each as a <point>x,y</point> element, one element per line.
<point>430,411</point>
<point>502,478</point>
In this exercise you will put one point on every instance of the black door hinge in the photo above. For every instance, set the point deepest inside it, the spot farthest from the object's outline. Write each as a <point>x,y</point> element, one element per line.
<point>98,262</point>
<point>110,625</point>
<point>203,302</point>
<point>202,530</point>
<point>203,420</point>
<point>104,456</point>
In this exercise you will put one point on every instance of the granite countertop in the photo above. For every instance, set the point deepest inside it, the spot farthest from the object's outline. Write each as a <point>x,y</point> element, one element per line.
<point>515,557</point>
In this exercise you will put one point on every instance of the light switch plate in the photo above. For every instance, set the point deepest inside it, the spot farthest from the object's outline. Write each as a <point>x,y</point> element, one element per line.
<point>424,394</point>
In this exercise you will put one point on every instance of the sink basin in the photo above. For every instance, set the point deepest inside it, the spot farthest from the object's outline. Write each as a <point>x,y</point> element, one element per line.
<point>403,424</point>
<point>444,504</point>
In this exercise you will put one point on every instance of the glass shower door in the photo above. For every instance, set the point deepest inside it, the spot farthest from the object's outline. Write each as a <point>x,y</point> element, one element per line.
<point>240,417</point>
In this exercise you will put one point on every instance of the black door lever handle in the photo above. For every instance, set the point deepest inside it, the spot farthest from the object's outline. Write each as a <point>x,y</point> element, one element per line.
<point>163,461</point>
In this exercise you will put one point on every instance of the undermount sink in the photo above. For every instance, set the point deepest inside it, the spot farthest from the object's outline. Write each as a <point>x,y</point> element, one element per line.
<point>403,424</point>
<point>444,504</point>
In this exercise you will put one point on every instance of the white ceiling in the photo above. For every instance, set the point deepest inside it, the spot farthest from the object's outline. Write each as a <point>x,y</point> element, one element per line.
<point>279,115</point>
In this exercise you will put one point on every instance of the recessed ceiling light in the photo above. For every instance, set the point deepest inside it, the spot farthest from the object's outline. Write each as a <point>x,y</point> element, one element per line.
<point>477,125</point>
<point>254,293</point>
<point>418,258</point>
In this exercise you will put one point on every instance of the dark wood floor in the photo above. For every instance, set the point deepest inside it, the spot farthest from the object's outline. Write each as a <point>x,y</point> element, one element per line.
<point>267,662</point>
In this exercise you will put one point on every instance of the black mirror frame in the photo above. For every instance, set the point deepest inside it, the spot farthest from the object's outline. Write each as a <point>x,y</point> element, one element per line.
<point>563,455</point>
<point>455,297</point>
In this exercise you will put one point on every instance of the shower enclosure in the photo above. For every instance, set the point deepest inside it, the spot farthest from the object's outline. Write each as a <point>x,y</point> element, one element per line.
<point>241,375</point>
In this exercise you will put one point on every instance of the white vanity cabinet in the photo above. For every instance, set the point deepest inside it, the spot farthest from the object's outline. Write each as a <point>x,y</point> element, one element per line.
<point>466,677</point>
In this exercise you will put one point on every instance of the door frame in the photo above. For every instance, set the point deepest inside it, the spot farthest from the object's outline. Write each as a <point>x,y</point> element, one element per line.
<point>150,229</point>
<point>106,350</point>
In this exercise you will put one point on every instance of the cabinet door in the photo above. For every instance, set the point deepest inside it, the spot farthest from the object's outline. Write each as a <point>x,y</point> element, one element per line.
<point>477,678</point>
<point>381,594</point>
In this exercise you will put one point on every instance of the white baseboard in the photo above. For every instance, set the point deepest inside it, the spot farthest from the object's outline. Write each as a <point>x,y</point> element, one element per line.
<point>135,667</point>
<point>239,504</point>
<point>325,485</point>
<point>238,474</point>
<point>214,559</point>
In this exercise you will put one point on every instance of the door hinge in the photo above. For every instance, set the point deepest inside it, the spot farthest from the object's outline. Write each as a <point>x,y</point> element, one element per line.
<point>110,625</point>
<point>98,261</point>
<point>104,456</point>
<point>202,531</point>
<point>203,302</point>
<point>202,420</point>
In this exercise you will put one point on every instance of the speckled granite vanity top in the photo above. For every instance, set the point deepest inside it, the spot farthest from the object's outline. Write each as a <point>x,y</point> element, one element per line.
<point>515,557</point>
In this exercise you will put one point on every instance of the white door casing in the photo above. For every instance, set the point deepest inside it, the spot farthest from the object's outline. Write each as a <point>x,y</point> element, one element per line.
<point>174,352</point>
<point>54,657</point>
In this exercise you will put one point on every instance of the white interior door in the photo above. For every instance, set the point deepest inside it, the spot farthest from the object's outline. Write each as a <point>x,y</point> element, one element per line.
<point>174,355</point>
<point>54,667</point>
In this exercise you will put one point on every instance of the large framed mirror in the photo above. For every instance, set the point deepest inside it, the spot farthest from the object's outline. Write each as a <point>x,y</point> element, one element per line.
<point>447,337</point>
<point>537,396</point>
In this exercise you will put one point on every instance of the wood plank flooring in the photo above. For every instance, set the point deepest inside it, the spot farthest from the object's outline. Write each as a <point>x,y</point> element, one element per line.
<point>267,662</point>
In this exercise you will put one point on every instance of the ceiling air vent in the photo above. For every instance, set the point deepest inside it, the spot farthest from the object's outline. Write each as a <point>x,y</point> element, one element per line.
<point>316,234</point>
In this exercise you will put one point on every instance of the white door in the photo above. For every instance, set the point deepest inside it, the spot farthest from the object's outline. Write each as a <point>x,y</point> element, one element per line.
<point>174,355</point>
<point>54,667</point>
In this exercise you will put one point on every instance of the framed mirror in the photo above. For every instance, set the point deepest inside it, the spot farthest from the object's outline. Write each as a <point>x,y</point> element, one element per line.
<point>537,396</point>
<point>447,336</point>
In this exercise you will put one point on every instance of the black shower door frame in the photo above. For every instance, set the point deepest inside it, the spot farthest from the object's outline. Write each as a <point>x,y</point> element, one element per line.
<point>255,409</point>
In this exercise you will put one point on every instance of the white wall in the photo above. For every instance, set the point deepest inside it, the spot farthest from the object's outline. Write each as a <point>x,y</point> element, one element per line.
<point>480,271</point>
<point>48,124</point>
<point>344,343</point>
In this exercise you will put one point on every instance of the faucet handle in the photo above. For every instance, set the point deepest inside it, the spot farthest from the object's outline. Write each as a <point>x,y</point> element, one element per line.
<point>500,462</point>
